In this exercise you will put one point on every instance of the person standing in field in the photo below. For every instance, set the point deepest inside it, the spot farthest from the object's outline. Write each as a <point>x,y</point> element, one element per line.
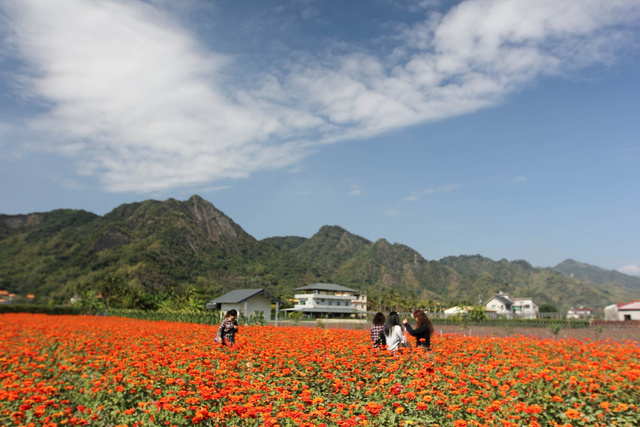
<point>377,331</point>
<point>423,330</point>
<point>393,332</point>
<point>228,329</point>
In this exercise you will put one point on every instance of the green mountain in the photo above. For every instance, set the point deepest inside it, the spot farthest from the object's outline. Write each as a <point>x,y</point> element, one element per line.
<point>597,275</point>
<point>351,260</point>
<point>544,285</point>
<point>153,253</point>
<point>151,249</point>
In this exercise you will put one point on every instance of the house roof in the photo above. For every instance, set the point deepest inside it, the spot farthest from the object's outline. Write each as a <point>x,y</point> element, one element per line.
<point>241,295</point>
<point>327,287</point>
<point>506,301</point>
<point>630,306</point>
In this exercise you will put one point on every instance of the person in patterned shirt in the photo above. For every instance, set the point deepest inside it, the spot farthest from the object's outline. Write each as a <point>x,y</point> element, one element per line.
<point>228,329</point>
<point>377,330</point>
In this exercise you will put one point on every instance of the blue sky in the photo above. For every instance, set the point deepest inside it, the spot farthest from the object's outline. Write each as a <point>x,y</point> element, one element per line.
<point>505,128</point>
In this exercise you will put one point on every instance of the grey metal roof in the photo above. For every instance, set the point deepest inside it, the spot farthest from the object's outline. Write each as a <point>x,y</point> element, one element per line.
<point>240,295</point>
<point>506,301</point>
<point>327,287</point>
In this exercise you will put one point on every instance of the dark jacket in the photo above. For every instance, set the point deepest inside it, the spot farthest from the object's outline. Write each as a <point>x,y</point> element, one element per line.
<point>228,330</point>
<point>422,334</point>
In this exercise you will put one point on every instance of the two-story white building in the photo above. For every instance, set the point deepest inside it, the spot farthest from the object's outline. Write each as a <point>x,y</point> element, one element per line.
<point>328,299</point>
<point>503,305</point>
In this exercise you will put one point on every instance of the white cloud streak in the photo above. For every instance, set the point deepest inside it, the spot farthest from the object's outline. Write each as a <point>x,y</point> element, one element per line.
<point>145,106</point>
<point>631,269</point>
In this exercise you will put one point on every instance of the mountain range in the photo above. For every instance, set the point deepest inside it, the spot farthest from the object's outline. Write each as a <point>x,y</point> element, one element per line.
<point>142,253</point>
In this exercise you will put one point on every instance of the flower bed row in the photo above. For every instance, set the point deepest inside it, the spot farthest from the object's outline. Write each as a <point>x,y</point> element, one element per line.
<point>85,370</point>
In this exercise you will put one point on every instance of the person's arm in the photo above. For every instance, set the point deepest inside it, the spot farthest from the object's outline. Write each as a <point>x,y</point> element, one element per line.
<point>418,331</point>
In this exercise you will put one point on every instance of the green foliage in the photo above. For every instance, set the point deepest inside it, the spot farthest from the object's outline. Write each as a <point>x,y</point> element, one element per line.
<point>548,308</point>
<point>295,317</point>
<point>252,320</point>
<point>477,314</point>
<point>175,256</point>
<point>555,328</point>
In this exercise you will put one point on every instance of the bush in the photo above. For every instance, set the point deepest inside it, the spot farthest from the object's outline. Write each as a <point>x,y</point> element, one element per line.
<point>41,309</point>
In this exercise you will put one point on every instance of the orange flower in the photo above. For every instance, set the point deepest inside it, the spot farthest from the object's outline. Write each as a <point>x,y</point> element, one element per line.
<point>572,414</point>
<point>373,408</point>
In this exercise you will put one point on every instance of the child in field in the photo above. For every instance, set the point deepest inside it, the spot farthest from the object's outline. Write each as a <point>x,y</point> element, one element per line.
<point>228,329</point>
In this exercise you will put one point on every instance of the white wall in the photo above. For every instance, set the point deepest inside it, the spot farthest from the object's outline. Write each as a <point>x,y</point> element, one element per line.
<point>611,312</point>
<point>251,307</point>
<point>633,314</point>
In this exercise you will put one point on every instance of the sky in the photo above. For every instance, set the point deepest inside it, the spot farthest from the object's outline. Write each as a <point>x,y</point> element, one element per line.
<point>504,128</point>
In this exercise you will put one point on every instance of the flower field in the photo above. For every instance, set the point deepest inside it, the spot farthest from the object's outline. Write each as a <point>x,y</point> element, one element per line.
<point>109,371</point>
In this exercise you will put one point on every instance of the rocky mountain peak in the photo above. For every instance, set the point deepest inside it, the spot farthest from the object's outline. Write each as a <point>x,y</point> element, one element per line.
<point>213,221</point>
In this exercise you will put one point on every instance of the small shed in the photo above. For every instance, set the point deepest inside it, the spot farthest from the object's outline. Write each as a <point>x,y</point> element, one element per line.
<point>248,302</point>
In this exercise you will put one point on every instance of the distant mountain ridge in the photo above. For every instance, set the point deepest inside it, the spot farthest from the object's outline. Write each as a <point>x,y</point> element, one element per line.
<point>152,251</point>
<point>597,275</point>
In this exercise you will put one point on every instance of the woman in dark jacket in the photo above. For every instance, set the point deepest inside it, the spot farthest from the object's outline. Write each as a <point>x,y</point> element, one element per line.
<point>423,331</point>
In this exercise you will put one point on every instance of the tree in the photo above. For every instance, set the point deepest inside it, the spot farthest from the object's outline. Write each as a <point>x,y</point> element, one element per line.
<point>112,288</point>
<point>477,314</point>
<point>548,308</point>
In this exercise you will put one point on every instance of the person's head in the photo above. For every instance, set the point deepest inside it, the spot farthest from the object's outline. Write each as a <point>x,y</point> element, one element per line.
<point>379,319</point>
<point>232,314</point>
<point>392,320</point>
<point>422,319</point>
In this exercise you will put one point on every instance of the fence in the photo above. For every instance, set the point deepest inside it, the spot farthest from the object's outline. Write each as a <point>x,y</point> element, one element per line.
<point>597,330</point>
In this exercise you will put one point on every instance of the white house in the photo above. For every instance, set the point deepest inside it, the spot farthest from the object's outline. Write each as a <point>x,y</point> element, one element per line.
<point>503,305</point>
<point>580,313</point>
<point>623,311</point>
<point>329,299</point>
<point>247,302</point>
<point>453,311</point>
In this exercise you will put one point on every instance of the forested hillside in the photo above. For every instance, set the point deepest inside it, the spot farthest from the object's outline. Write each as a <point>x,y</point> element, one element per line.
<point>171,253</point>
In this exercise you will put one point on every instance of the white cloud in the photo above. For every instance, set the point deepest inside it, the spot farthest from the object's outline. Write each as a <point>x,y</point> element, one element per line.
<point>355,190</point>
<point>442,189</point>
<point>138,99</point>
<point>142,104</point>
<point>391,212</point>
<point>631,269</point>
